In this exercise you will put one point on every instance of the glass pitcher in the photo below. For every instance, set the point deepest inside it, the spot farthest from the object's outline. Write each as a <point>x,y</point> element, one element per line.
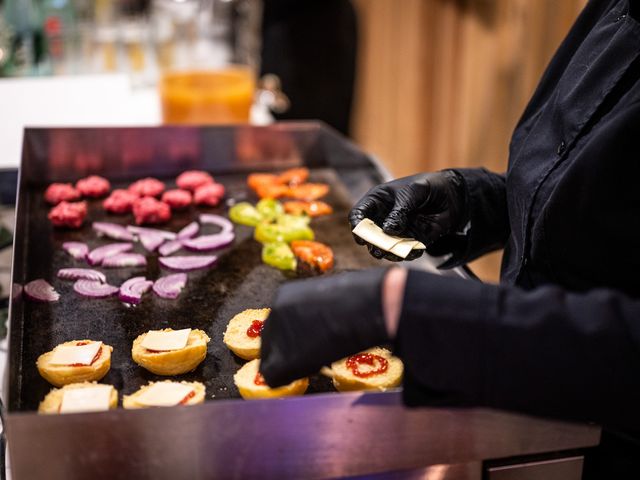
<point>208,55</point>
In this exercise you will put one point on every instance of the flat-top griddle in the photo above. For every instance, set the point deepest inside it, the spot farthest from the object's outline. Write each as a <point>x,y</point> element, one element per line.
<point>212,296</point>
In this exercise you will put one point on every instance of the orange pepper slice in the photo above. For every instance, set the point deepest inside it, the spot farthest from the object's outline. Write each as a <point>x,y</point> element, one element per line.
<point>256,180</point>
<point>294,176</point>
<point>272,190</point>
<point>316,254</point>
<point>308,191</point>
<point>315,208</point>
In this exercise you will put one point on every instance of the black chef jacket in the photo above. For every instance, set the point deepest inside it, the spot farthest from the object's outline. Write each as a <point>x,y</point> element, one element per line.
<point>560,336</point>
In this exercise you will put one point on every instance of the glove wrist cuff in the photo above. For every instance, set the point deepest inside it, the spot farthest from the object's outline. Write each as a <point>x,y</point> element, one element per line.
<point>370,285</point>
<point>460,199</point>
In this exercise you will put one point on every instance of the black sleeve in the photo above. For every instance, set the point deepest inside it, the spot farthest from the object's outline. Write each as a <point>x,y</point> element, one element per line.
<point>546,351</point>
<point>486,199</point>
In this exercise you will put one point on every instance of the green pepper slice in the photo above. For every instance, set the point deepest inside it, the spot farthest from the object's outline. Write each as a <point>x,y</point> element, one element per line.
<point>269,208</point>
<point>279,255</point>
<point>294,221</point>
<point>245,214</point>
<point>275,232</point>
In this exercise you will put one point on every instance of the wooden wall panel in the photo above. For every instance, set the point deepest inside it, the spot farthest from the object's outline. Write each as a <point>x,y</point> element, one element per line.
<point>441,83</point>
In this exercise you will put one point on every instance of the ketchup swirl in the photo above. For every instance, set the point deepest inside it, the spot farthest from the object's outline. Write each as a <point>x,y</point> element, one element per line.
<point>188,397</point>
<point>255,329</point>
<point>259,380</point>
<point>354,362</point>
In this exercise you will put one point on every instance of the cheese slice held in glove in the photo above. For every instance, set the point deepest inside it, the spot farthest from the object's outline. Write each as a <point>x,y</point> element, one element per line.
<point>372,233</point>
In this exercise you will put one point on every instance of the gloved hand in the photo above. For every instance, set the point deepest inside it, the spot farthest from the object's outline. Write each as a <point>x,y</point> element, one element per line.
<point>317,321</point>
<point>426,207</point>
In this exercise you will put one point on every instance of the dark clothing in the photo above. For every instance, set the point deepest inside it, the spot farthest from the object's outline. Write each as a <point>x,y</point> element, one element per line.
<point>311,46</point>
<point>560,336</point>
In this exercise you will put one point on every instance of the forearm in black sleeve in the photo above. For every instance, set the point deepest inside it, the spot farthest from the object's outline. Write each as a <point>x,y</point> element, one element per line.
<point>488,221</point>
<point>545,352</point>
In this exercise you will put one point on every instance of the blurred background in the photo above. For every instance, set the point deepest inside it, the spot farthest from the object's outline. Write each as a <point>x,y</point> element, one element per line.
<point>421,84</point>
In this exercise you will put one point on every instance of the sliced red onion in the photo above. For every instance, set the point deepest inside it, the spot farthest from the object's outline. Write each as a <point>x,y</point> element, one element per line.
<point>131,291</point>
<point>170,286</point>
<point>172,246</point>
<point>97,255</point>
<point>125,260</point>
<point>41,291</point>
<point>211,219</point>
<point>94,289</point>
<point>209,242</point>
<point>189,231</point>
<point>77,250</point>
<point>78,273</point>
<point>188,262</point>
<point>138,230</point>
<point>112,230</point>
<point>151,240</point>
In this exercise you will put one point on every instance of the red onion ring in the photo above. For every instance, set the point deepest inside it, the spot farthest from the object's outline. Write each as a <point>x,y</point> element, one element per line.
<point>112,230</point>
<point>97,255</point>
<point>94,289</point>
<point>189,231</point>
<point>211,219</point>
<point>170,286</point>
<point>78,273</point>
<point>188,262</point>
<point>209,242</point>
<point>77,250</point>
<point>138,230</point>
<point>122,260</point>
<point>41,291</point>
<point>172,246</point>
<point>132,290</point>
<point>151,240</point>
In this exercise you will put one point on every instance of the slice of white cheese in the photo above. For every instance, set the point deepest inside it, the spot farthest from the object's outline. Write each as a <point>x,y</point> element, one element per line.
<point>372,233</point>
<point>89,399</point>
<point>402,249</point>
<point>165,341</point>
<point>75,354</point>
<point>164,394</point>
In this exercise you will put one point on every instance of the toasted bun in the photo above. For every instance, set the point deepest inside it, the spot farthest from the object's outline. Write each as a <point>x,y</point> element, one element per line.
<point>344,380</point>
<point>172,362</point>
<point>131,402</point>
<point>60,375</point>
<point>53,400</point>
<point>245,381</point>
<point>236,338</point>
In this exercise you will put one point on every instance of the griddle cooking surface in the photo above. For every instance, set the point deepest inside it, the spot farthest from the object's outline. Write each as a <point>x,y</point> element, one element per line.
<point>239,281</point>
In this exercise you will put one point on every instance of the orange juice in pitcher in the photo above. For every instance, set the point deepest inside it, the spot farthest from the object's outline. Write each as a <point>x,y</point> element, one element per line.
<point>216,96</point>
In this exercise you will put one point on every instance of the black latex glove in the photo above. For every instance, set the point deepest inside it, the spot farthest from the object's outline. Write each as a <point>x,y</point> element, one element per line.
<point>318,321</point>
<point>426,207</point>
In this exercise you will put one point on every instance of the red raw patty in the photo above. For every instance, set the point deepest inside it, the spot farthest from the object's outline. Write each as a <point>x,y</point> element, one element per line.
<point>147,187</point>
<point>192,179</point>
<point>58,192</point>
<point>120,201</point>
<point>149,210</point>
<point>67,214</point>
<point>93,186</point>
<point>209,194</point>
<point>177,199</point>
